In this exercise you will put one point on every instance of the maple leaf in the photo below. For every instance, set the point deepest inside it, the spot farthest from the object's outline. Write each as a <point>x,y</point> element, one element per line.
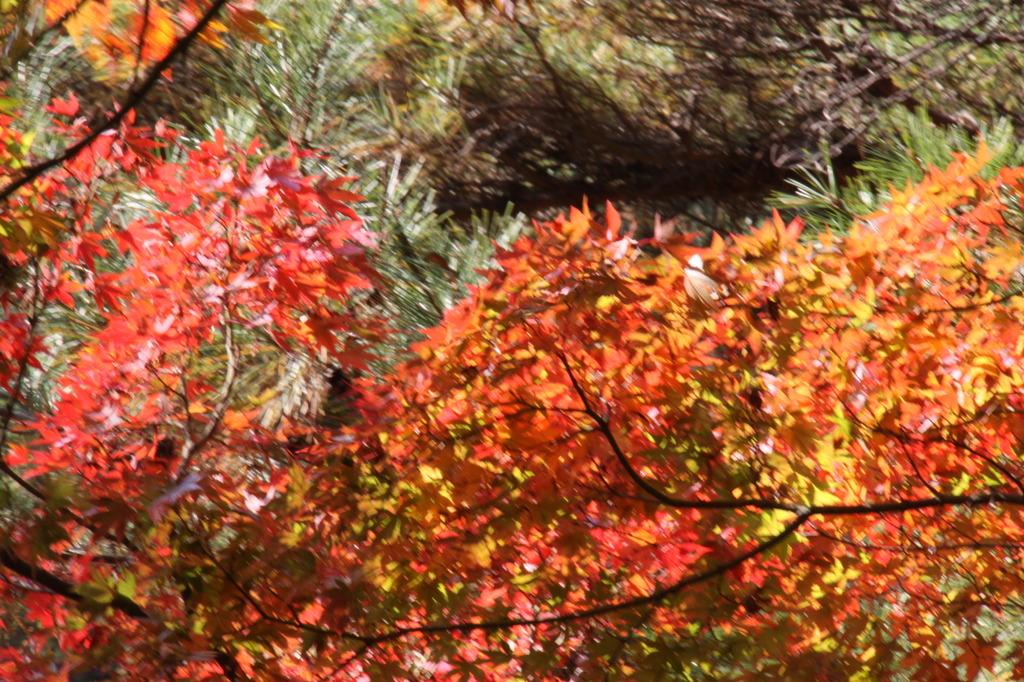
<point>68,108</point>
<point>334,197</point>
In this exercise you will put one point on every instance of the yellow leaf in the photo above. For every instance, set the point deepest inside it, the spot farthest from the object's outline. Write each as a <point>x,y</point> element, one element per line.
<point>480,552</point>
<point>1002,261</point>
<point>821,498</point>
<point>642,583</point>
<point>962,484</point>
<point>861,311</point>
<point>430,474</point>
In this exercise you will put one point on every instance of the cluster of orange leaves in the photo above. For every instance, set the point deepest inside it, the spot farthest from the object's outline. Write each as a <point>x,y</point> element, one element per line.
<point>821,476</point>
<point>119,37</point>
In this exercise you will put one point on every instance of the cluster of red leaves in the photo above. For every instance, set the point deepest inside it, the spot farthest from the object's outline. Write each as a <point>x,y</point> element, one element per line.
<point>156,488</point>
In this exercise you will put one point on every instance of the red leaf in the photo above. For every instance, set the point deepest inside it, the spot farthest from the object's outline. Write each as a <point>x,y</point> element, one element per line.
<point>68,108</point>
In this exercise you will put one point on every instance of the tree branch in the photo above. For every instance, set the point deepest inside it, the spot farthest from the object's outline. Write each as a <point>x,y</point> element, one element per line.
<point>652,598</point>
<point>119,602</point>
<point>659,595</point>
<point>135,97</point>
<point>605,429</point>
<point>63,588</point>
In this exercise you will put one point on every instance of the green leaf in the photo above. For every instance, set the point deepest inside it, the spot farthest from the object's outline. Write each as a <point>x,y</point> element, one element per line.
<point>95,596</point>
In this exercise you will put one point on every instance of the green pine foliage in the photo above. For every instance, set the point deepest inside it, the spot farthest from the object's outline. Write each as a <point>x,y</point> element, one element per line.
<point>428,258</point>
<point>900,155</point>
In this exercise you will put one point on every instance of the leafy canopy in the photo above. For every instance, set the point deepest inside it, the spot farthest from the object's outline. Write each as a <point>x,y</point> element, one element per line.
<point>821,475</point>
<point>583,471</point>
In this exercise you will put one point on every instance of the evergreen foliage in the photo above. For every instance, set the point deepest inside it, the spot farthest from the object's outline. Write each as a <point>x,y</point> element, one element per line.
<point>897,156</point>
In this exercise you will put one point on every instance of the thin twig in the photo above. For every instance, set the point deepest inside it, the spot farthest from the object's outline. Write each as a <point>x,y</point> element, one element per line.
<point>142,41</point>
<point>230,373</point>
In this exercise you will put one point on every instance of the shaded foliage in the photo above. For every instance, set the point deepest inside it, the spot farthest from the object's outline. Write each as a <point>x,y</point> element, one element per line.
<point>677,106</point>
<point>685,108</point>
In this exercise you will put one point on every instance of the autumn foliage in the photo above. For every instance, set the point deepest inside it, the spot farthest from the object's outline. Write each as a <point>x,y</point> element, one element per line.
<point>120,37</point>
<point>584,471</point>
<point>243,258</point>
<point>818,480</point>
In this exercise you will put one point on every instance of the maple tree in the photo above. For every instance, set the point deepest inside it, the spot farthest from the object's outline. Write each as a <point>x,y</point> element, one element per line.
<point>242,261</point>
<point>584,471</point>
<point>819,479</point>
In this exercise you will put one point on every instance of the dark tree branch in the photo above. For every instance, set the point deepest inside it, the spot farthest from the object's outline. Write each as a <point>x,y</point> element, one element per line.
<point>659,595</point>
<point>63,588</point>
<point>135,97</point>
<point>119,602</point>
<point>605,429</point>
<point>653,598</point>
<point>247,596</point>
